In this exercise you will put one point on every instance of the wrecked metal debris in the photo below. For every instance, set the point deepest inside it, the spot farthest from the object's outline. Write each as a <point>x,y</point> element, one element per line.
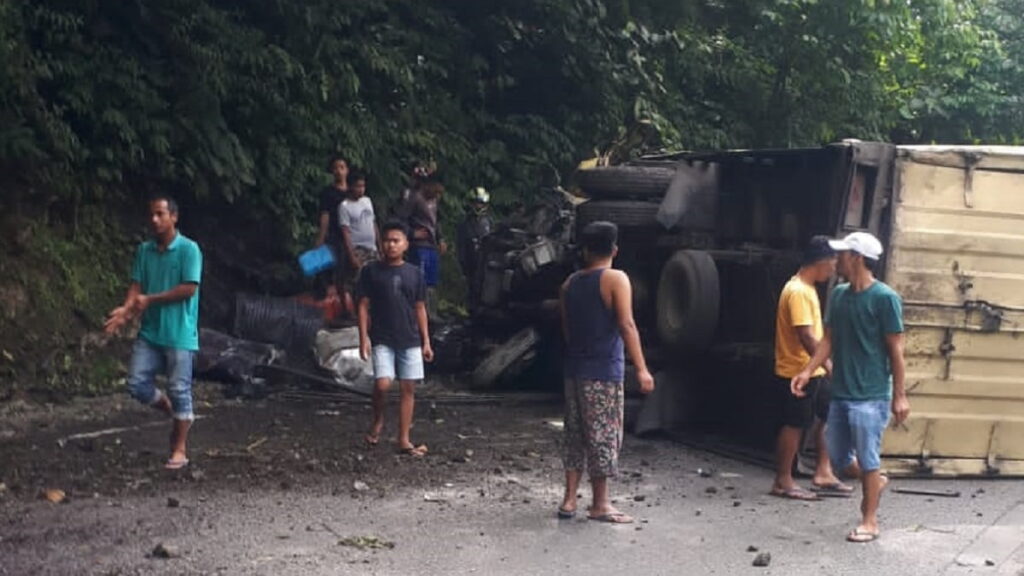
<point>925,492</point>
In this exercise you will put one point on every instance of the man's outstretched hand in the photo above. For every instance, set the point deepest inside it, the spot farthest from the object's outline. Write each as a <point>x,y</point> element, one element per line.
<point>117,319</point>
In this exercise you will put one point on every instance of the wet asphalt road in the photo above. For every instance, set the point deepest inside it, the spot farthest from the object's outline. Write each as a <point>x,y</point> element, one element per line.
<point>486,511</point>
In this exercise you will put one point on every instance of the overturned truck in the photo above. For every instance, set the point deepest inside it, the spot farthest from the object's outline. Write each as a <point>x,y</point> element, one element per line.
<point>709,239</point>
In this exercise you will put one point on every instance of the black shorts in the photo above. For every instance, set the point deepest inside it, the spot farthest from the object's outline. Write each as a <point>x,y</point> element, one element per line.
<point>800,412</point>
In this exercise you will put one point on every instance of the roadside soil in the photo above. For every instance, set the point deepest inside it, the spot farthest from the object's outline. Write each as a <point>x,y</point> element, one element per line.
<point>112,447</point>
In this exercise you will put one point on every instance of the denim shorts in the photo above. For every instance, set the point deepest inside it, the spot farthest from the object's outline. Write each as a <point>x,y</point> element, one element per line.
<point>148,360</point>
<point>406,364</point>
<point>855,428</point>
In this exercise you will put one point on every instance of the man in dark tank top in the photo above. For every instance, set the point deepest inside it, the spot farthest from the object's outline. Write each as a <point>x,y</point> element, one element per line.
<point>597,322</point>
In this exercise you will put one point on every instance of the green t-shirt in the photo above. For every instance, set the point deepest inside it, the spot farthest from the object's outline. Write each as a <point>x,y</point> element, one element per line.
<point>175,324</point>
<point>859,322</point>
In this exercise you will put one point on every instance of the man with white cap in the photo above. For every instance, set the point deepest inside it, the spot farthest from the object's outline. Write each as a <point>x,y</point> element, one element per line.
<point>864,338</point>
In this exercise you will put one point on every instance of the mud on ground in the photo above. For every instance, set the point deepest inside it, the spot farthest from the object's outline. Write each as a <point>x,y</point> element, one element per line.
<point>111,447</point>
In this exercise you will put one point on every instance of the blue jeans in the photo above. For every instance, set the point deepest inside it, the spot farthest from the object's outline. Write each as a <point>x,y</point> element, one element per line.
<point>176,364</point>
<point>428,259</point>
<point>406,364</point>
<point>855,427</point>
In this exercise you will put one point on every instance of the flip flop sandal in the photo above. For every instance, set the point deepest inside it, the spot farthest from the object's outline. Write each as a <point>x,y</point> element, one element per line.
<point>176,464</point>
<point>564,514</point>
<point>614,518</point>
<point>371,440</point>
<point>795,493</point>
<point>835,490</point>
<point>414,451</point>
<point>859,536</point>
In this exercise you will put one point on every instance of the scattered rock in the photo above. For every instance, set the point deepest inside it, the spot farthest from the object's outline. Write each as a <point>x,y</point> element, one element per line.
<point>460,459</point>
<point>736,503</point>
<point>989,562</point>
<point>751,548</point>
<point>54,496</point>
<point>197,475</point>
<point>469,453</point>
<point>639,498</point>
<point>763,559</point>
<point>705,473</point>
<point>166,551</point>
<point>173,502</point>
<point>360,486</point>
<point>711,490</point>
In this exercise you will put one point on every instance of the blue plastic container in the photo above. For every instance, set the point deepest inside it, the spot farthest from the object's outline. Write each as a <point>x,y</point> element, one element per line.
<point>316,260</point>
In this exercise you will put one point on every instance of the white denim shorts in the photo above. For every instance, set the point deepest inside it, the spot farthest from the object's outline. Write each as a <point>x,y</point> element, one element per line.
<point>405,364</point>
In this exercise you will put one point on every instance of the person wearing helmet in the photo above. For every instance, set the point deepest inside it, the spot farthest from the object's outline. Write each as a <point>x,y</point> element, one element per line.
<point>471,231</point>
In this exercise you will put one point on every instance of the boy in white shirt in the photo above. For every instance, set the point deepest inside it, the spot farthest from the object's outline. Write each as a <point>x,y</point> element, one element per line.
<point>359,232</point>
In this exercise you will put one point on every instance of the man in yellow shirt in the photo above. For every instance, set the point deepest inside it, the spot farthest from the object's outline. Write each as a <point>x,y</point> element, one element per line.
<point>798,330</point>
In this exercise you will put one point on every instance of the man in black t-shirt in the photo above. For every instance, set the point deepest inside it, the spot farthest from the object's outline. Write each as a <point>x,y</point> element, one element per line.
<point>329,229</point>
<point>393,331</point>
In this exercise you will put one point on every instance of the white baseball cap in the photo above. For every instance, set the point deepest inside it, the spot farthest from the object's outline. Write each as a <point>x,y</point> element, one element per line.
<point>860,242</point>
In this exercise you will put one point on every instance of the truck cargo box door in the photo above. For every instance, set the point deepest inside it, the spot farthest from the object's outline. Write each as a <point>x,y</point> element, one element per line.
<point>956,255</point>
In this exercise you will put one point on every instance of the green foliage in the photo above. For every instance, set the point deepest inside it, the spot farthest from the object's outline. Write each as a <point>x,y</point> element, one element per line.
<point>242,103</point>
<point>55,290</point>
<point>235,108</point>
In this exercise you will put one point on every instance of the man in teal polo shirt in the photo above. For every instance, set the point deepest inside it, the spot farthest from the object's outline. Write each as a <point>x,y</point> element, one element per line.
<point>864,337</point>
<point>165,292</point>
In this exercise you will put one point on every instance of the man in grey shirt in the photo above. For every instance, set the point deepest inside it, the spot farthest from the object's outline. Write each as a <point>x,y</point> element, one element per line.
<point>359,233</point>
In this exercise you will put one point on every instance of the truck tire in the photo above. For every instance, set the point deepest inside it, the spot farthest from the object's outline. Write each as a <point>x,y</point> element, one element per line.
<point>625,181</point>
<point>624,213</point>
<point>688,300</point>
